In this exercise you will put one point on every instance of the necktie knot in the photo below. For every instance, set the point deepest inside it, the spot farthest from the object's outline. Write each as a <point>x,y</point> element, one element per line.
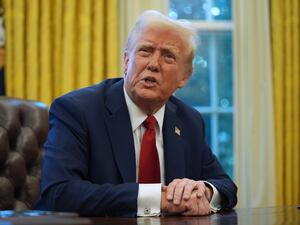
<point>150,122</point>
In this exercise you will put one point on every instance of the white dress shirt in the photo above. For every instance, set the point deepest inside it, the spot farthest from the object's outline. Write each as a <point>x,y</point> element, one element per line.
<point>149,195</point>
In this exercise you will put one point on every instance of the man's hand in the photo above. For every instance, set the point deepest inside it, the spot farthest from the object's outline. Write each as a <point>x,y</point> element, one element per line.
<point>167,206</point>
<point>196,206</point>
<point>187,197</point>
<point>181,189</point>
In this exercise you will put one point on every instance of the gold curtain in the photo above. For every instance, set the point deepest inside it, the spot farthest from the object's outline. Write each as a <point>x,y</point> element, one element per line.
<point>286,82</point>
<point>53,47</point>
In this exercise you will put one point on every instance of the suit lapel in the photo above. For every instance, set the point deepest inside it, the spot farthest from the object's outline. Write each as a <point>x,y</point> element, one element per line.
<point>120,132</point>
<point>174,145</point>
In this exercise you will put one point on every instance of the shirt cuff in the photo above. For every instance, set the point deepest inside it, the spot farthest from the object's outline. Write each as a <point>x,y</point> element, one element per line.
<point>148,201</point>
<point>215,202</point>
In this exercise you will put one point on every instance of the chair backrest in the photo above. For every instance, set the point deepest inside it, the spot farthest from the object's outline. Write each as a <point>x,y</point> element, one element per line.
<point>23,131</point>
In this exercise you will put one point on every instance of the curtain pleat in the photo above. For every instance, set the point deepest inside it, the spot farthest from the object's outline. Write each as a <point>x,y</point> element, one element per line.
<point>85,38</point>
<point>46,74</point>
<point>98,58</point>
<point>286,85</point>
<point>112,39</point>
<point>56,37</point>
<point>69,35</point>
<point>18,21</point>
<point>254,139</point>
<point>9,45</point>
<point>53,47</point>
<point>31,43</point>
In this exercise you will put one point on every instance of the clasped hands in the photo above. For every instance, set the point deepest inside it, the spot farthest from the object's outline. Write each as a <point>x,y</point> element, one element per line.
<point>187,197</point>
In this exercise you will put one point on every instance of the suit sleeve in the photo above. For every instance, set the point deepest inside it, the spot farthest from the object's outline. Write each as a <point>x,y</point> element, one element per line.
<point>65,184</point>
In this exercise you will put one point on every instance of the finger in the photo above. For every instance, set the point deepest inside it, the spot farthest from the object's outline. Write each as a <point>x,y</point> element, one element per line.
<point>188,189</point>
<point>178,192</point>
<point>201,189</point>
<point>170,189</point>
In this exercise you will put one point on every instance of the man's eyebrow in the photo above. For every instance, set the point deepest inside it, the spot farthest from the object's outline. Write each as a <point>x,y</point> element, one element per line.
<point>171,49</point>
<point>145,43</point>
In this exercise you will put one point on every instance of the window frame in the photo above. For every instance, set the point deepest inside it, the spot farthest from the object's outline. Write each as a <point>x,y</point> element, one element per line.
<point>214,109</point>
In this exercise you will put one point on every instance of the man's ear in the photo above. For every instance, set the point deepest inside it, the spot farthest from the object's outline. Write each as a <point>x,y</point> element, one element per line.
<point>125,61</point>
<point>182,82</point>
<point>185,78</point>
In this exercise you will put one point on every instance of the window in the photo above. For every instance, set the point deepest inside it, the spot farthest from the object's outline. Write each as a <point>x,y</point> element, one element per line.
<point>210,89</point>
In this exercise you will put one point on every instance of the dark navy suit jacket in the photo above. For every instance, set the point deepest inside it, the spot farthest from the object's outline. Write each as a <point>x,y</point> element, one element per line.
<point>89,164</point>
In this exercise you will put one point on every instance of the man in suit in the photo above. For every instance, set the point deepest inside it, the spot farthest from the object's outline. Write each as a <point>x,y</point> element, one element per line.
<point>95,159</point>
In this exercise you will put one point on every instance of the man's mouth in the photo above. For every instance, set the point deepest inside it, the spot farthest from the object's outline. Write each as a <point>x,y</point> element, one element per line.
<point>150,80</point>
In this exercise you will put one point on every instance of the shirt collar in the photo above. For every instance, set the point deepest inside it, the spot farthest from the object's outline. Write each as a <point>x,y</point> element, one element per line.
<point>137,116</point>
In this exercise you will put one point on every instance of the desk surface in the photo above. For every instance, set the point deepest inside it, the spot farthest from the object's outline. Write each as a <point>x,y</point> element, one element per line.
<point>288,215</point>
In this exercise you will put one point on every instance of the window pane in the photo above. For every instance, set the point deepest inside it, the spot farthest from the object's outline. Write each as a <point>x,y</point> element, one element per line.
<point>196,91</point>
<point>200,9</point>
<point>224,69</point>
<point>225,142</point>
<point>213,62</point>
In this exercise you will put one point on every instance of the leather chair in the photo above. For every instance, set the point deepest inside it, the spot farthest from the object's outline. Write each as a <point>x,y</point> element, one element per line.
<point>23,131</point>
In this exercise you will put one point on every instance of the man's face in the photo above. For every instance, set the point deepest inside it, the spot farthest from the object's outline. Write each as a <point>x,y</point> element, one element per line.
<point>155,66</point>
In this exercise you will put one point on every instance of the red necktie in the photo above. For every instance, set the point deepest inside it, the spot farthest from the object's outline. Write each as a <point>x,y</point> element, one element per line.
<point>149,171</point>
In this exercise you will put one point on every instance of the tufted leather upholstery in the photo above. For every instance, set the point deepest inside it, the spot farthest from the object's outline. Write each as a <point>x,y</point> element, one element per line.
<point>23,130</point>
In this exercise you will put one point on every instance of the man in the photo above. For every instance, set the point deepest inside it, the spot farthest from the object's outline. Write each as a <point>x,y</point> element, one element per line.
<point>101,160</point>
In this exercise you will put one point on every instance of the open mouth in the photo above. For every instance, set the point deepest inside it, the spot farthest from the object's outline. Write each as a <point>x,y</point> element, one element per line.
<point>150,80</point>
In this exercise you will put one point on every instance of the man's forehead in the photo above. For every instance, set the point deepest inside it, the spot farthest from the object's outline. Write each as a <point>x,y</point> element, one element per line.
<point>165,37</point>
<point>164,45</point>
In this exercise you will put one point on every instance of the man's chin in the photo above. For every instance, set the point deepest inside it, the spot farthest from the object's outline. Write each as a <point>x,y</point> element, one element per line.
<point>147,98</point>
<point>147,95</point>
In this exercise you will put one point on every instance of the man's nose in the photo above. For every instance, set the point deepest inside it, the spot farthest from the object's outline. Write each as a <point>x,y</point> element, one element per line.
<point>153,64</point>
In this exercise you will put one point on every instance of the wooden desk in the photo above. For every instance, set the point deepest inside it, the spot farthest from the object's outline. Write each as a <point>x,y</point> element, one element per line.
<point>259,216</point>
<point>262,216</point>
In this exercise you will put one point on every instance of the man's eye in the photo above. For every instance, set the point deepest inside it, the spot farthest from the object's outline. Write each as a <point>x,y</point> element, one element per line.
<point>170,57</point>
<point>144,50</point>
